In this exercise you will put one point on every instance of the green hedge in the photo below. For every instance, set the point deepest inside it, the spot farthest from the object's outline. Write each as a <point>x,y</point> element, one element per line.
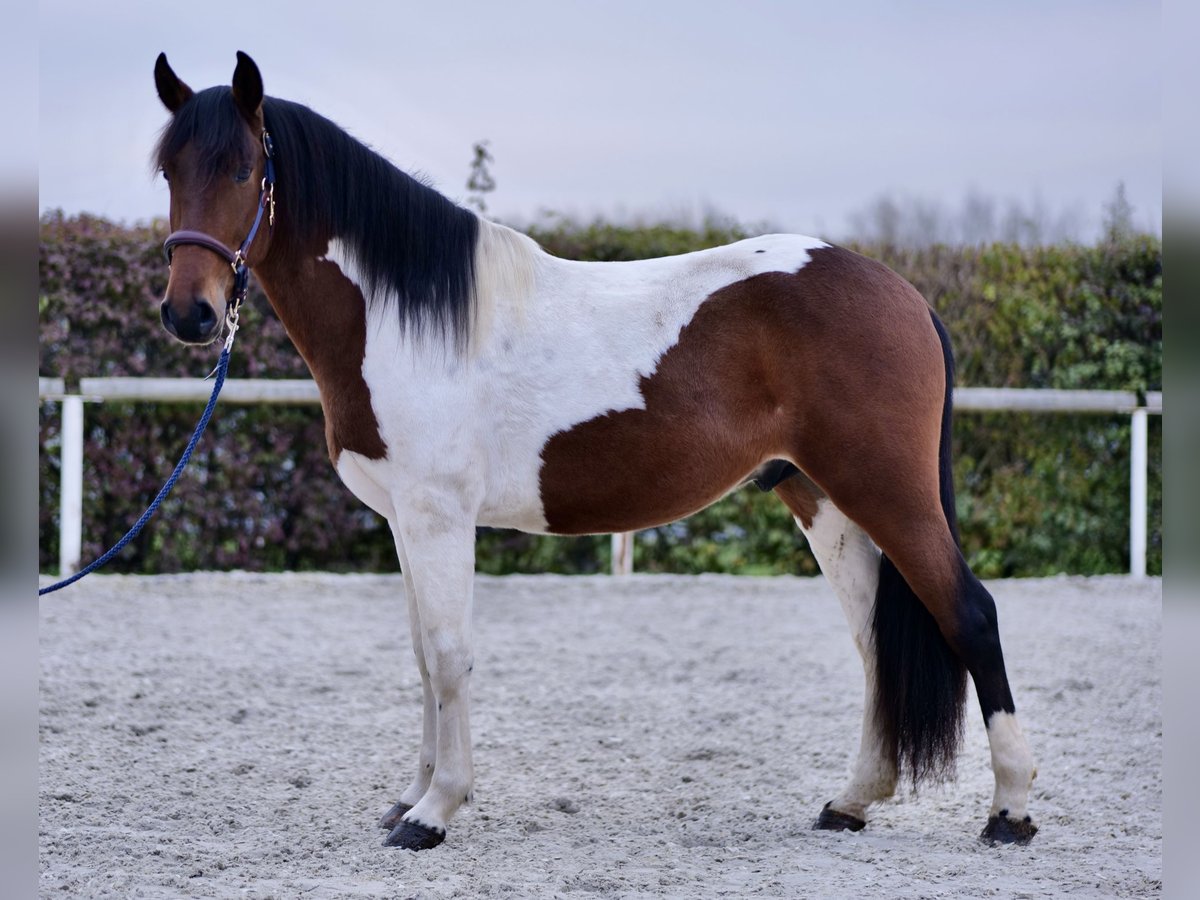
<point>1037,494</point>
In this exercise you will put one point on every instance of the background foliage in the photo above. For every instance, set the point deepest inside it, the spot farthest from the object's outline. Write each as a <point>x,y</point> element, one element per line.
<point>1037,494</point>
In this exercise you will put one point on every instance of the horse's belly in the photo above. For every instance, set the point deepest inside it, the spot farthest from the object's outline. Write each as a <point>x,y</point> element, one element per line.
<point>617,473</point>
<point>510,507</point>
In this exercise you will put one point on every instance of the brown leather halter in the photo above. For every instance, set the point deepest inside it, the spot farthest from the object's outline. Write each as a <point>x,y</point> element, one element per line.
<point>235,258</point>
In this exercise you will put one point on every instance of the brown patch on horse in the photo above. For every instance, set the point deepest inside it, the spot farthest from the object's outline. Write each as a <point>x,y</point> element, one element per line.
<point>836,367</point>
<point>715,409</point>
<point>325,316</point>
<point>800,496</point>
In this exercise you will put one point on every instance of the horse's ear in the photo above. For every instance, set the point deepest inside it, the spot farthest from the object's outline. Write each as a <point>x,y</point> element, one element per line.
<point>171,91</point>
<point>248,89</point>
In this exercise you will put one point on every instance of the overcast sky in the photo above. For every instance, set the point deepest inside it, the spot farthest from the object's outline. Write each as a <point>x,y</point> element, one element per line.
<point>798,114</point>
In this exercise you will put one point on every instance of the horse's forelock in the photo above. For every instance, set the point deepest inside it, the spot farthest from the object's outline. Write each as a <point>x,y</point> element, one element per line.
<point>211,123</point>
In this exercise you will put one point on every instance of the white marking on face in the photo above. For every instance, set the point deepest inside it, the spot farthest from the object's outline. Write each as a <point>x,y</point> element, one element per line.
<point>566,342</point>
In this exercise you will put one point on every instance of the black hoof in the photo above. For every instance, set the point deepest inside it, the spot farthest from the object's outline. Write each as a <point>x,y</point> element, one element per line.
<point>393,816</point>
<point>413,836</point>
<point>832,820</point>
<point>1004,830</point>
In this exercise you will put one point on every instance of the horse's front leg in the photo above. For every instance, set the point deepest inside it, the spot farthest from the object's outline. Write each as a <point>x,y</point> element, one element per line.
<point>428,755</point>
<point>439,546</point>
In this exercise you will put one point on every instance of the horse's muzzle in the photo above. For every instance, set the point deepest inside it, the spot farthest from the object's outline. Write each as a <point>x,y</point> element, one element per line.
<point>198,325</point>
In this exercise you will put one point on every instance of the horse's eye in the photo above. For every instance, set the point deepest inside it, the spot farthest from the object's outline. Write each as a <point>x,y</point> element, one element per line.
<point>243,175</point>
<point>165,176</point>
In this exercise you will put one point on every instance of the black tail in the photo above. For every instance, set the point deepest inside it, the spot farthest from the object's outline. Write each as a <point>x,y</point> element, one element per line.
<point>920,683</point>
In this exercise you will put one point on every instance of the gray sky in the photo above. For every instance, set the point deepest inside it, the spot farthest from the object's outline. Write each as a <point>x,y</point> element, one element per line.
<point>799,114</point>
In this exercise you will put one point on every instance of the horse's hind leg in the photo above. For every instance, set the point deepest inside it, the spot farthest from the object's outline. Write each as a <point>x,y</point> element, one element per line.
<point>849,559</point>
<point>1009,820</point>
<point>427,758</point>
<point>870,425</point>
<point>931,618</point>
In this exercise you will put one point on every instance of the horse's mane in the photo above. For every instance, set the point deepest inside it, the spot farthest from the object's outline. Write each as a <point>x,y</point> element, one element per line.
<point>413,247</point>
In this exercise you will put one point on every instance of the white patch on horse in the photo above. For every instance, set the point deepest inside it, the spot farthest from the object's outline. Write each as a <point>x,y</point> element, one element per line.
<point>564,342</point>
<point>1012,764</point>
<point>504,269</point>
<point>849,560</point>
<point>361,485</point>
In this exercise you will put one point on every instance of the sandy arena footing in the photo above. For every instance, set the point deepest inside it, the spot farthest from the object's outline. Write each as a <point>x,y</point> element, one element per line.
<point>239,735</point>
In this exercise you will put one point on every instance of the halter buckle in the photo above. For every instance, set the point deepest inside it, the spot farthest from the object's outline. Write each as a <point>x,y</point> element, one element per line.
<point>268,200</point>
<point>232,315</point>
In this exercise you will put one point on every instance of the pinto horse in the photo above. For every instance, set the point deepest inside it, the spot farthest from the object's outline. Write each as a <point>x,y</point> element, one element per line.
<point>470,378</point>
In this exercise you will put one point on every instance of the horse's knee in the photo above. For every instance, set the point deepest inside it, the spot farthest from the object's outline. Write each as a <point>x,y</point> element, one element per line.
<point>422,667</point>
<point>449,660</point>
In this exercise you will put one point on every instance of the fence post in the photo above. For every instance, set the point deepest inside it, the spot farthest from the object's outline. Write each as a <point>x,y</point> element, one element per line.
<point>70,515</point>
<point>622,553</point>
<point>1138,460</point>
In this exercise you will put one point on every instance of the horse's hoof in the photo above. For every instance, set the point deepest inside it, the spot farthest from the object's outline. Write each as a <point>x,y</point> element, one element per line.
<point>414,836</point>
<point>393,816</point>
<point>1002,829</point>
<point>832,820</point>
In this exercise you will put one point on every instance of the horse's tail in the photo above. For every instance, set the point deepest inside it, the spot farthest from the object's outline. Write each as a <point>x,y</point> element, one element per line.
<point>920,683</point>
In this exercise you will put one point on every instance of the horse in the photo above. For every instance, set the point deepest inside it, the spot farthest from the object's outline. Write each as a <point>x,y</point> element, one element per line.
<point>470,378</point>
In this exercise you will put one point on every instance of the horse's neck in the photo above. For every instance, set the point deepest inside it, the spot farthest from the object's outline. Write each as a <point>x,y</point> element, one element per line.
<point>322,310</point>
<point>325,317</point>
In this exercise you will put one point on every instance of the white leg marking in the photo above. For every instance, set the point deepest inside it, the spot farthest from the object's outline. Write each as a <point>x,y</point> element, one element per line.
<point>441,554</point>
<point>1012,764</point>
<point>427,758</point>
<point>850,560</point>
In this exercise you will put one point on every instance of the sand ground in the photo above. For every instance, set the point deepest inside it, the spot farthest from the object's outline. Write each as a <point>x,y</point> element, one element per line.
<point>237,735</point>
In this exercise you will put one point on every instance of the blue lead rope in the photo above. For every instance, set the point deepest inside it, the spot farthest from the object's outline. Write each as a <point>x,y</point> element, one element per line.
<point>241,278</point>
<point>222,367</point>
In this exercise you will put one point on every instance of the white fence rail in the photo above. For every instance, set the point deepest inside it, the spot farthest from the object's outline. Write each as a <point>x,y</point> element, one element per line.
<point>303,391</point>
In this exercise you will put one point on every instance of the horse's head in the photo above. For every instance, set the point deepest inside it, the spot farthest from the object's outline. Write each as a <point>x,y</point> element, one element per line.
<point>214,156</point>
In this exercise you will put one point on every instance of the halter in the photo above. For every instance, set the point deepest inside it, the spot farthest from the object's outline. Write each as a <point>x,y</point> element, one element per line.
<point>241,280</point>
<point>235,258</point>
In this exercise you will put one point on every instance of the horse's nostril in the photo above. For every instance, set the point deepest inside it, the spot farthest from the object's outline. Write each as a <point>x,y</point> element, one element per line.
<point>206,315</point>
<point>196,324</point>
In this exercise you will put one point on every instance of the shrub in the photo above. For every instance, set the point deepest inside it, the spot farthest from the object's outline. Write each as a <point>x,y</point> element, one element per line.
<point>1037,494</point>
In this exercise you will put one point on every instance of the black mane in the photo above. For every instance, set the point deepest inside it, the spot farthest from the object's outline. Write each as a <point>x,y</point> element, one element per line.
<point>412,245</point>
